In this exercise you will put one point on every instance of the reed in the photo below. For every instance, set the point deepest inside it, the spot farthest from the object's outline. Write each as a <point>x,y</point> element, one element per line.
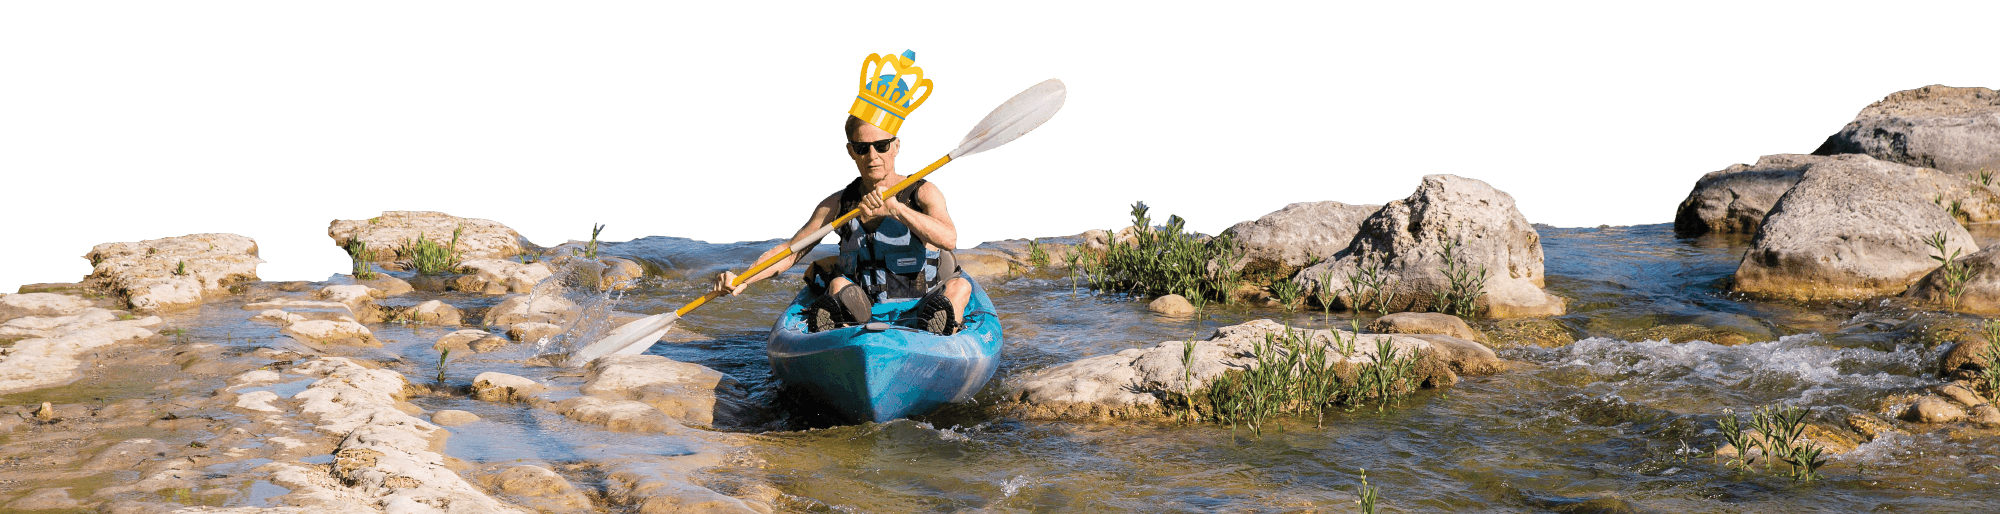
<point>1990,378</point>
<point>1166,260</point>
<point>1369,494</point>
<point>1985,177</point>
<point>1369,289</point>
<point>357,251</point>
<point>1781,428</point>
<point>1952,273</point>
<point>1037,256</point>
<point>1288,294</point>
<point>589,249</point>
<point>446,354</point>
<point>1732,432</point>
<point>1295,375</point>
<point>1465,282</point>
<point>431,258</point>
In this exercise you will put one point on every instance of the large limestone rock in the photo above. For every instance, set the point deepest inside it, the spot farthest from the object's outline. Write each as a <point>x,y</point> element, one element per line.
<point>496,276</point>
<point>1407,235</point>
<point>174,272</point>
<point>1735,200</point>
<point>1955,129</point>
<point>1852,228</point>
<point>1283,241</point>
<point>1981,293</point>
<point>385,234</point>
<point>690,393</point>
<point>39,304</point>
<point>1135,382</point>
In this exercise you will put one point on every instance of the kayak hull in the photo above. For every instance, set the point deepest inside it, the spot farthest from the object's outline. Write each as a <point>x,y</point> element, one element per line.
<point>863,375</point>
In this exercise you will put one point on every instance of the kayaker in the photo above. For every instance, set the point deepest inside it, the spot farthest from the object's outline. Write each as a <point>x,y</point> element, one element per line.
<point>895,249</point>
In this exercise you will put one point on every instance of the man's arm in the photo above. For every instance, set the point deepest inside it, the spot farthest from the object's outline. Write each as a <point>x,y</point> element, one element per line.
<point>933,224</point>
<point>820,215</point>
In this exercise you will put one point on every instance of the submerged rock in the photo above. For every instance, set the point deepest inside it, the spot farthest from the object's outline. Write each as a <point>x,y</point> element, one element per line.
<point>1134,383</point>
<point>494,386</point>
<point>1284,241</point>
<point>538,488</point>
<point>1171,305</point>
<point>540,308</point>
<point>1424,323</point>
<point>55,332</point>
<point>1852,228</point>
<point>690,393</point>
<point>493,276</point>
<point>452,418</point>
<point>1954,129</point>
<point>386,234</point>
<point>1406,237</point>
<point>174,272</point>
<point>341,332</point>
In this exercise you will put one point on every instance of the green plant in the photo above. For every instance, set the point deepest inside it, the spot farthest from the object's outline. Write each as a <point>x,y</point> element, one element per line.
<point>1732,431</point>
<point>431,258</point>
<point>357,251</point>
<point>1294,374</point>
<point>590,249</point>
<point>1985,177</point>
<point>446,354</point>
<point>1323,293</point>
<point>1369,494</point>
<point>181,269</point>
<point>1037,256</point>
<point>1167,260</point>
<point>1990,378</point>
<point>1951,273</point>
<point>1464,282</point>
<point>1369,288</point>
<point>1187,377</point>
<point>1781,429</point>
<point>1288,294</point>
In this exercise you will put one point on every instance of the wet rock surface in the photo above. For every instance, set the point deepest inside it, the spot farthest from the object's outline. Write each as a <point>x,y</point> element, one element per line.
<point>1424,323</point>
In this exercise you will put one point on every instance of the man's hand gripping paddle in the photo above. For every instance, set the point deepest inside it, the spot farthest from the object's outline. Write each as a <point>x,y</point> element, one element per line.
<point>1006,123</point>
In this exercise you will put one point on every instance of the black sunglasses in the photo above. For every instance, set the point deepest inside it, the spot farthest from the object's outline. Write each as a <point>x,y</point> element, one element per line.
<point>861,147</point>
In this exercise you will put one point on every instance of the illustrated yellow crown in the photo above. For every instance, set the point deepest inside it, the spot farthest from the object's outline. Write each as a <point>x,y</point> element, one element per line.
<point>888,85</point>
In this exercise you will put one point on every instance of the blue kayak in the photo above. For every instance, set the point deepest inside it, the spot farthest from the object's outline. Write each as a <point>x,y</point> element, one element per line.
<point>880,371</point>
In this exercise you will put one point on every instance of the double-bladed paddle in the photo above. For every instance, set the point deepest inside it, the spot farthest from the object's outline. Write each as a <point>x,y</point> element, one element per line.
<point>1006,123</point>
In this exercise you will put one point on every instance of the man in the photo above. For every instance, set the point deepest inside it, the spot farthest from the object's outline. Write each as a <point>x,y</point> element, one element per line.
<point>897,248</point>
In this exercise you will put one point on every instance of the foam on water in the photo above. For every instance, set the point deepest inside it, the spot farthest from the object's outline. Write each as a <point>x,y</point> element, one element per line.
<point>1799,368</point>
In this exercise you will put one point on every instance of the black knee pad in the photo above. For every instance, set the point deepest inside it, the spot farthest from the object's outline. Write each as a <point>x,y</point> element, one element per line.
<point>855,302</point>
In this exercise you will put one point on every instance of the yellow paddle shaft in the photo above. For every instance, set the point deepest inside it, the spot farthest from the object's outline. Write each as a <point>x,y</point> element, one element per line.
<point>803,245</point>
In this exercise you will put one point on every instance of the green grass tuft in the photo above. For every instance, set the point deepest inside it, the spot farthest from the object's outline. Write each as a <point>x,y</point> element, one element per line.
<point>1954,274</point>
<point>431,258</point>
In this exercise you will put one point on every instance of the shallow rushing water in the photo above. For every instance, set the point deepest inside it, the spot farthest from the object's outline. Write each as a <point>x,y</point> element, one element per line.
<point>1584,427</point>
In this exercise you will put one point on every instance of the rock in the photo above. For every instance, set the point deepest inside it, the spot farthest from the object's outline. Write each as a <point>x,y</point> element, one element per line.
<point>617,415</point>
<point>526,308</point>
<point>390,286</point>
<point>48,305</point>
<point>539,488</point>
<point>466,341</point>
<point>1962,394</point>
<point>1852,228</point>
<point>1423,323</point>
<point>494,386</point>
<point>253,378</point>
<point>1133,383</point>
<point>1406,236</point>
<point>1283,241</point>
<point>341,332</point>
<point>531,332</point>
<point>1465,357</point>
<point>359,300</point>
<point>1954,129</point>
<point>1830,442</point>
<point>983,263</point>
<point>1171,305</point>
<point>1871,427</point>
<point>1688,332</point>
<point>1932,409</point>
<point>1735,199</point>
<point>690,393</point>
<point>430,311</point>
<point>286,311</point>
<point>40,326</point>
<point>1970,354</point>
<point>45,361</point>
<point>1542,332</point>
<point>386,234</point>
<point>50,499</point>
<point>174,272</point>
<point>1096,239</point>
<point>452,418</point>
<point>1981,292</point>
<point>259,401</point>
<point>494,276</point>
<point>621,274</point>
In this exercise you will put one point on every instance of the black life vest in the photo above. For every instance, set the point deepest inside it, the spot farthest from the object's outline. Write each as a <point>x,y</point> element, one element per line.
<point>889,261</point>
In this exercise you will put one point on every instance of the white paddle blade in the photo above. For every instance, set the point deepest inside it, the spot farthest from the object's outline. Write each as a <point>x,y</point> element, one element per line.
<point>1010,120</point>
<point>632,339</point>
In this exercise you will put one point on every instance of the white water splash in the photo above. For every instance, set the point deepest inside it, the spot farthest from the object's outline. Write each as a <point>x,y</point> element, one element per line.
<point>1799,366</point>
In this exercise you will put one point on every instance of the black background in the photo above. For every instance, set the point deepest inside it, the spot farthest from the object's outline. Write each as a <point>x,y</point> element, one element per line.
<point>735,139</point>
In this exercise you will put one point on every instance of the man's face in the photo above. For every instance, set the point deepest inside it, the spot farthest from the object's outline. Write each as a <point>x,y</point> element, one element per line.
<point>872,164</point>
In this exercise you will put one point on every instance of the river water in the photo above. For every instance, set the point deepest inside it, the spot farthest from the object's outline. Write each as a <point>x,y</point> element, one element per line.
<point>1600,425</point>
<point>1610,423</point>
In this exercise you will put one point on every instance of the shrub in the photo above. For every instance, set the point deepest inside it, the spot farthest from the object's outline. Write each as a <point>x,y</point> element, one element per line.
<point>1166,260</point>
<point>431,258</point>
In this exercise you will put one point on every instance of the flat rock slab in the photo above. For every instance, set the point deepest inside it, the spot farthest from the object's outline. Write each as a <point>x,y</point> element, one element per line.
<point>386,234</point>
<point>1134,383</point>
<point>174,272</point>
<point>1954,129</point>
<point>1854,227</point>
<point>690,393</point>
<point>1424,323</point>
